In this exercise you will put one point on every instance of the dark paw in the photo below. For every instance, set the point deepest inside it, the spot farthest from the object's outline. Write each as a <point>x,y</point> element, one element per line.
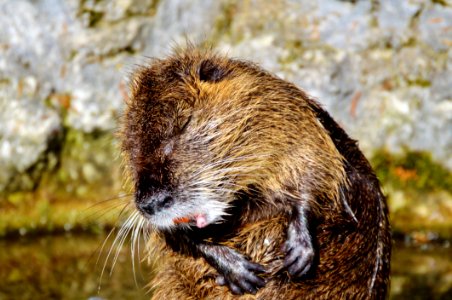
<point>240,275</point>
<point>299,254</point>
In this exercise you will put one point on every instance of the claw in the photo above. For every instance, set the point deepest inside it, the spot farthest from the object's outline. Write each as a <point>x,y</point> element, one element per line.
<point>235,271</point>
<point>220,280</point>
<point>298,249</point>
<point>235,289</point>
<point>299,257</point>
<point>243,280</point>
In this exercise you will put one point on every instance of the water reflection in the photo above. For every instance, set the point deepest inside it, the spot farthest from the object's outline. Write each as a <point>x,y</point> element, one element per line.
<point>421,272</point>
<point>64,267</point>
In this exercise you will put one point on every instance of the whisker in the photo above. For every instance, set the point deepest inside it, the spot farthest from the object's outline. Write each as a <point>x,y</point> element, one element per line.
<point>144,237</point>
<point>113,245</point>
<point>118,197</point>
<point>123,210</point>
<point>135,242</point>
<point>104,212</point>
<point>128,227</point>
<point>105,262</point>
<point>104,209</point>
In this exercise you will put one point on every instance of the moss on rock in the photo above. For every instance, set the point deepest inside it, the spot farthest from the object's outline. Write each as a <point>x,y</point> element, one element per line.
<point>79,193</point>
<point>412,170</point>
<point>419,194</point>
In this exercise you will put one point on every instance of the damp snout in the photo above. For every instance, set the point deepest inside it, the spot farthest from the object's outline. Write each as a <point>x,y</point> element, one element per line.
<point>155,203</point>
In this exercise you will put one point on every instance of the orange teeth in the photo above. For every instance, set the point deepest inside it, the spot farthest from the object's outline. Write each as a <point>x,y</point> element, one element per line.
<point>181,220</point>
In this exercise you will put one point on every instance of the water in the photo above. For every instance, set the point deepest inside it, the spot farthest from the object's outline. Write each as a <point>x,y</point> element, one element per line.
<point>421,272</point>
<point>64,267</point>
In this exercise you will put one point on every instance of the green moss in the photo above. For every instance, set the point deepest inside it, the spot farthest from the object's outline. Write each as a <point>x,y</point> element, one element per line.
<point>72,54</point>
<point>85,170</point>
<point>419,82</point>
<point>412,170</point>
<point>153,7</point>
<point>88,163</point>
<point>419,192</point>
<point>295,50</point>
<point>93,16</point>
<point>38,213</point>
<point>29,179</point>
<point>149,10</point>
<point>373,21</point>
<point>410,42</point>
<point>5,81</point>
<point>440,2</point>
<point>115,51</point>
<point>223,23</point>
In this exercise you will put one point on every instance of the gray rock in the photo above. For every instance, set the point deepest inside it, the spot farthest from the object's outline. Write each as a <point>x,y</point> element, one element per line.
<point>435,25</point>
<point>179,20</point>
<point>395,19</point>
<point>27,128</point>
<point>345,25</point>
<point>64,64</point>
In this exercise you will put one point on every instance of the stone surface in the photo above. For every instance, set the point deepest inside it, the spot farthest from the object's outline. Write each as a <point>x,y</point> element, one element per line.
<point>382,68</point>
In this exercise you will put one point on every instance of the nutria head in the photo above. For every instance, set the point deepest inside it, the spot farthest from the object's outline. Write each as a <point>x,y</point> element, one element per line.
<point>199,129</point>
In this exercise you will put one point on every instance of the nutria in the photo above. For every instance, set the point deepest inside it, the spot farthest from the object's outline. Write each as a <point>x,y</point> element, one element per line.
<point>252,190</point>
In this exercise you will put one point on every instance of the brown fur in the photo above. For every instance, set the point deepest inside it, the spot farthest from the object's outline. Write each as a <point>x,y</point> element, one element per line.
<point>259,144</point>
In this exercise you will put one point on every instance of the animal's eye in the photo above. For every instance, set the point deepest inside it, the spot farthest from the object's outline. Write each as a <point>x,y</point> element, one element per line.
<point>211,72</point>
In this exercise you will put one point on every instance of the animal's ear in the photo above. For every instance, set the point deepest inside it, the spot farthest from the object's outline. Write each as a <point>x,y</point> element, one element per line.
<point>210,71</point>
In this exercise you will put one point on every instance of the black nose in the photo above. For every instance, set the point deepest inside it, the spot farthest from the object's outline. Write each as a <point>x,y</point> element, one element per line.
<point>155,203</point>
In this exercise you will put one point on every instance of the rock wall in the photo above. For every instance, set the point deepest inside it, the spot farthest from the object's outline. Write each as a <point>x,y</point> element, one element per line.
<point>382,68</point>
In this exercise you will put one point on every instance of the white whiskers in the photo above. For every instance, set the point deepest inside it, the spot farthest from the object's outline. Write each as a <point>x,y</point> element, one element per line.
<point>135,227</point>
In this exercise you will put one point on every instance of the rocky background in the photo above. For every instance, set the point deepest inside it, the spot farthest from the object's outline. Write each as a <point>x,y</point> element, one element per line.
<point>382,68</point>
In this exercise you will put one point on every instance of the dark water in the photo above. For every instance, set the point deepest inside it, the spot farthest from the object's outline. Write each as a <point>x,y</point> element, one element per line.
<point>68,267</point>
<point>64,267</point>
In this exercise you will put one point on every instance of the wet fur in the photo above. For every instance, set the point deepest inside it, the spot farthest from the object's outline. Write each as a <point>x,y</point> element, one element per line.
<point>257,151</point>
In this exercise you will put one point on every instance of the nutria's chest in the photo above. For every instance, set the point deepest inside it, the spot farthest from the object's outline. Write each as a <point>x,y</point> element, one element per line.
<point>260,241</point>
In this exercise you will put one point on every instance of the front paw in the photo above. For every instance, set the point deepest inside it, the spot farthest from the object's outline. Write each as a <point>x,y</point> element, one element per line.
<point>299,253</point>
<point>239,274</point>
